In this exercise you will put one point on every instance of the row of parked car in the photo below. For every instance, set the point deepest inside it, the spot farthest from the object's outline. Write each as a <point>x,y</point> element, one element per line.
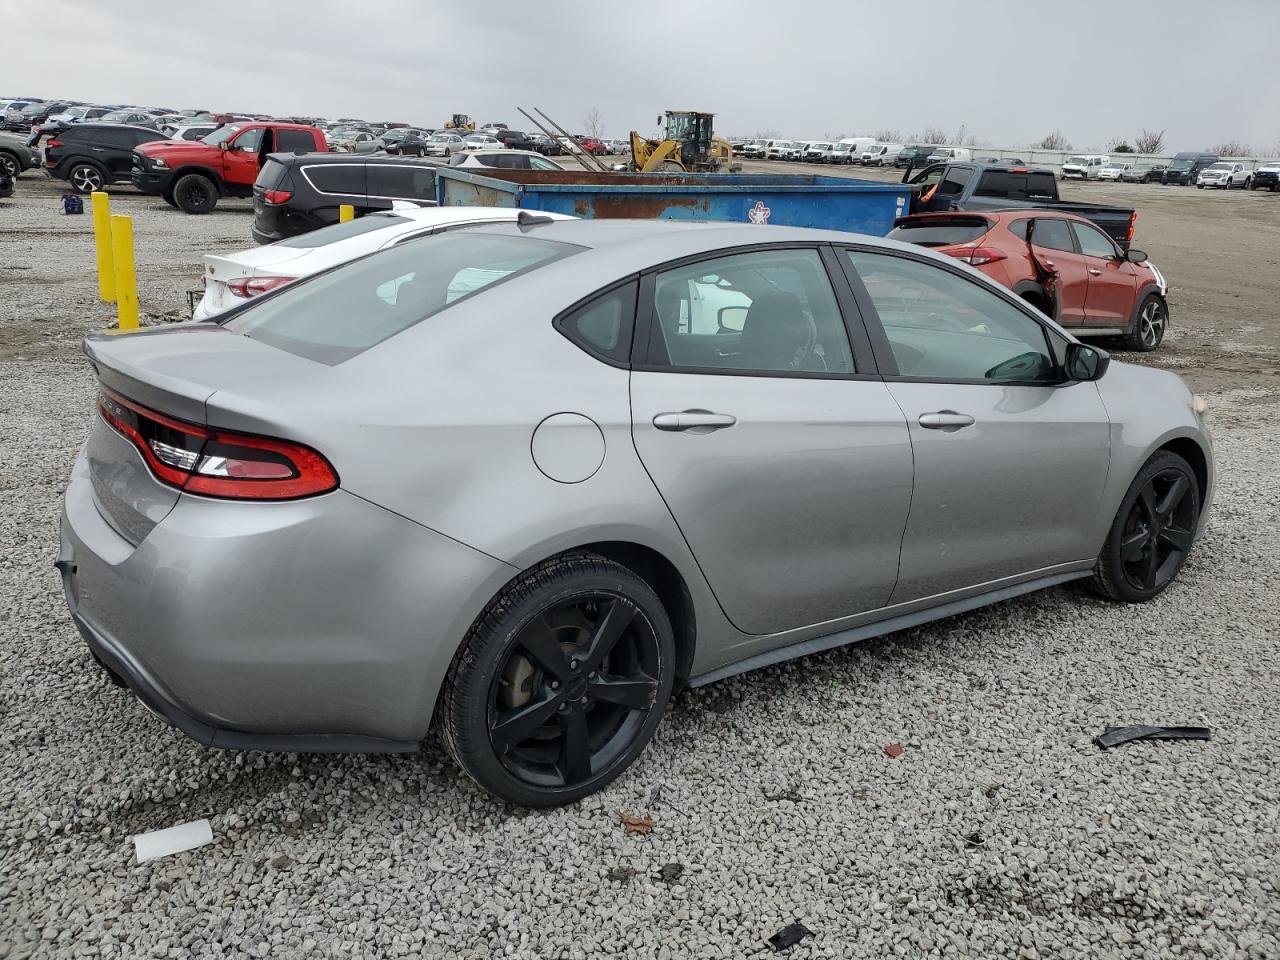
<point>1202,169</point>
<point>851,150</point>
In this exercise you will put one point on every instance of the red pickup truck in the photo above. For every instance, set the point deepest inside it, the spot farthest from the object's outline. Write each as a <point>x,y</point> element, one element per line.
<point>192,175</point>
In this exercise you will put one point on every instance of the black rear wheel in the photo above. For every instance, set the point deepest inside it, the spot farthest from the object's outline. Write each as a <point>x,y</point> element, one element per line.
<point>562,682</point>
<point>86,178</point>
<point>1152,533</point>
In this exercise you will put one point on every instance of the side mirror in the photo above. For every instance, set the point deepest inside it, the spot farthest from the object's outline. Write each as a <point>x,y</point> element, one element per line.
<point>1085,362</point>
<point>1136,256</point>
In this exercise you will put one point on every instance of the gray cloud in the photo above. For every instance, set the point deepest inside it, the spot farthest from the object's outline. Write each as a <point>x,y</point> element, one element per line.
<point>1009,73</point>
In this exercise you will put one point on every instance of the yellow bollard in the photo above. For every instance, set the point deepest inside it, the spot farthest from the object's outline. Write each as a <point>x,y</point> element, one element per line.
<point>346,212</point>
<point>102,238</point>
<point>126,279</point>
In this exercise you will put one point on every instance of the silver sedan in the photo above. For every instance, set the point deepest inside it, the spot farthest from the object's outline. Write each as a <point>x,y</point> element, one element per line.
<point>519,482</point>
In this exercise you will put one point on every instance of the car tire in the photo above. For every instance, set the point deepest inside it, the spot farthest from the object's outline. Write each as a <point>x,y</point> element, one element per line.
<point>1248,183</point>
<point>526,708</point>
<point>1152,533</point>
<point>169,198</point>
<point>195,193</point>
<point>1149,326</point>
<point>9,164</point>
<point>86,177</point>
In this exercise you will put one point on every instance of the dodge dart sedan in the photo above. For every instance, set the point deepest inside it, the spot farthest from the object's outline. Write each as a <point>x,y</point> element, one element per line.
<point>519,482</point>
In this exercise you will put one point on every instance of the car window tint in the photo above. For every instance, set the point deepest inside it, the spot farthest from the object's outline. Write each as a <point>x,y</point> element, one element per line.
<point>941,326</point>
<point>954,180</point>
<point>603,326</point>
<point>341,178</point>
<point>288,141</point>
<point>538,163</point>
<point>939,231</point>
<point>395,180</point>
<point>1093,242</point>
<point>1052,234</point>
<point>771,311</point>
<point>338,314</point>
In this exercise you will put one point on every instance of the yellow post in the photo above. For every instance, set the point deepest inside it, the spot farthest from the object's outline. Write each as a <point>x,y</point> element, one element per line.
<point>346,212</point>
<point>102,238</point>
<point>126,280</point>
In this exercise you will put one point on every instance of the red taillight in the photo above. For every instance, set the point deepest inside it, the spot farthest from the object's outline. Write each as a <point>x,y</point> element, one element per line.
<point>53,143</point>
<point>277,197</point>
<point>254,286</point>
<point>1133,219</point>
<point>975,256</point>
<point>217,463</point>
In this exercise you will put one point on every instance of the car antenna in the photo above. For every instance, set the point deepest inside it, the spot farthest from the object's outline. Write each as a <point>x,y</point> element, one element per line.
<point>526,219</point>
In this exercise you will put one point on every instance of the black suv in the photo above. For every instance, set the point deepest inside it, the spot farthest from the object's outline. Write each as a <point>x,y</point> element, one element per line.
<point>299,192</point>
<point>515,140</point>
<point>91,155</point>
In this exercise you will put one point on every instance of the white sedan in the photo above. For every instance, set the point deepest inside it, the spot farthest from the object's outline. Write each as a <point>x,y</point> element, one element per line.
<point>445,144</point>
<point>234,278</point>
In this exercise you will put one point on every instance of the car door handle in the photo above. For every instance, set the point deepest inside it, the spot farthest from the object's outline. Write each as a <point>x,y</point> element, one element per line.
<point>1094,273</point>
<point>945,420</point>
<point>97,149</point>
<point>1050,264</point>
<point>699,421</point>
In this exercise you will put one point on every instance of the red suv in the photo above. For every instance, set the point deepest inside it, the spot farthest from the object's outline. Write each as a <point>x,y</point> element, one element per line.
<point>1061,263</point>
<point>592,145</point>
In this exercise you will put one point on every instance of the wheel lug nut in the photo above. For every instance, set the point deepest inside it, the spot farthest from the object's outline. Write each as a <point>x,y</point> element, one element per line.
<point>573,664</point>
<point>591,675</point>
<point>564,708</point>
<point>583,699</point>
<point>555,684</point>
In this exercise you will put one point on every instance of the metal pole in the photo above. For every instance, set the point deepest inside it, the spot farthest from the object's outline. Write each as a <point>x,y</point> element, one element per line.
<point>102,239</point>
<point>551,136</point>
<point>126,280</point>
<point>600,166</point>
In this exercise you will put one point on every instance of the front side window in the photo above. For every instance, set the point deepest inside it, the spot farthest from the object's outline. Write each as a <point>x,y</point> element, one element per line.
<point>1093,242</point>
<point>339,314</point>
<point>770,311</point>
<point>953,183</point>
<point>248,141</point>
<point>941,326</point>
<point>221,134</point>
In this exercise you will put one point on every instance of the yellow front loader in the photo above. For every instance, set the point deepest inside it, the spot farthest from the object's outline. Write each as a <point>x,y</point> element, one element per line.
<point>688,145</point>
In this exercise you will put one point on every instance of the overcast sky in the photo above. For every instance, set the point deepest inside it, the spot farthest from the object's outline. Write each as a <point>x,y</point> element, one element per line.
<point>1010,73</point>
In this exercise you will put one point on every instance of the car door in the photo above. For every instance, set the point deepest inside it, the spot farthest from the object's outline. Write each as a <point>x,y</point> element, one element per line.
<point>1010,460</point>
<point>786,465</point>
<point>1112,279</point>
<point>1055,248</point>
<point>948,189</point>
<point>240,158</point>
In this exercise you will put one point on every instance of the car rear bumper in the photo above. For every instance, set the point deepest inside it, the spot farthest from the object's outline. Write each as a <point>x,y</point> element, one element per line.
<point>324,624</point>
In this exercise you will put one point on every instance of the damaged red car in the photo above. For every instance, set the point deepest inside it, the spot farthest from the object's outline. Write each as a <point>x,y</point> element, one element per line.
<point>1061,263</point>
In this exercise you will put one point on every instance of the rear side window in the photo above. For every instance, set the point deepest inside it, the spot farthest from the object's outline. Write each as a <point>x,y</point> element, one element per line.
<point>603,326</point>
<point>941,231</point>
<point>288,141</point>
<point>1015,186</point>
<point>1050,234</point>
<point>409,182</point>
<point>336,315</point>
<point>342,231</point>
<point>339,178</point>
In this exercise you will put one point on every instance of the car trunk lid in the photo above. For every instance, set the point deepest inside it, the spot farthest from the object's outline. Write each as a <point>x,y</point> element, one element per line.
<point>174,374</point>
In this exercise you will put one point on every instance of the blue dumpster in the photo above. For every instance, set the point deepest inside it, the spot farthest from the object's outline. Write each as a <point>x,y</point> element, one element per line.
<point>832,203</point>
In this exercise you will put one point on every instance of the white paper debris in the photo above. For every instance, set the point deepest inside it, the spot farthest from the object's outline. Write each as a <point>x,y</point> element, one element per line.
<point>162,843</point>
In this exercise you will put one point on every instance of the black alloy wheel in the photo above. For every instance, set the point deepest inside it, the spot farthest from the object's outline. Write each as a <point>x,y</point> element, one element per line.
<point>561,683</point>
<point>1153,532</point>
<point>574,689</point>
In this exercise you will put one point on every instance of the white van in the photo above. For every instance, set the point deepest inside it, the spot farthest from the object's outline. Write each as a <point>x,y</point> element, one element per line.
<point>945,154</point>
<point>878,154</point>
<point>849,150</point>
<point>1086,166</point>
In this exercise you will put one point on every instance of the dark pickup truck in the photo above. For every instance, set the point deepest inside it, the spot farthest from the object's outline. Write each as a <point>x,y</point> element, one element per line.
<point>941,187</point>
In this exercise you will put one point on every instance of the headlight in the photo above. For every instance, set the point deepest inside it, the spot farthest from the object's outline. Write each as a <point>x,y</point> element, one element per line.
<point>158,162</point>
<point>1198,404</point>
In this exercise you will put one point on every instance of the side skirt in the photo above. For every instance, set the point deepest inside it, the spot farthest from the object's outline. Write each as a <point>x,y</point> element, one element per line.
<point>881,627</point>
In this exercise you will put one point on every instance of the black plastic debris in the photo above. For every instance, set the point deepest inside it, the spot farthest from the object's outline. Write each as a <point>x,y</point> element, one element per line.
<point>789,936</point>
<point>1115,736</point>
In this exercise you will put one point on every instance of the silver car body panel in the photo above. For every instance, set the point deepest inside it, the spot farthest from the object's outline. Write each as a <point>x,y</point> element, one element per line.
<point>340,614</point>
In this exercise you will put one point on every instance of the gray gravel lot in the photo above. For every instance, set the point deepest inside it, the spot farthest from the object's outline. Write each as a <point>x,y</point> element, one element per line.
<point>1001,831</point>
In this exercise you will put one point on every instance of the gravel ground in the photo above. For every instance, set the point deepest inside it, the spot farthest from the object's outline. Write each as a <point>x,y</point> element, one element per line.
<point>1000,831</point>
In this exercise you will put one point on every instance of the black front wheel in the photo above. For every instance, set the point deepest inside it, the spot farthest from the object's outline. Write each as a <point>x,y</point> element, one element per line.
<point>195,193</point>
<point>561,683</point>
<point>1150,326</point>
<point>1152,533</point>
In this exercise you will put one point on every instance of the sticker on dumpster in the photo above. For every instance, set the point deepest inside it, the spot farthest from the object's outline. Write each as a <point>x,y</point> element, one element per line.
<point>759,213</point>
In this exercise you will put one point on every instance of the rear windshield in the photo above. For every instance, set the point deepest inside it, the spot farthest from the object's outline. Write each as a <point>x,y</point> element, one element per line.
<point>339,314</point>
<point>272,175</point>
<point>1008,185</point>
<point>940,231</point>
<point>342,231</point>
